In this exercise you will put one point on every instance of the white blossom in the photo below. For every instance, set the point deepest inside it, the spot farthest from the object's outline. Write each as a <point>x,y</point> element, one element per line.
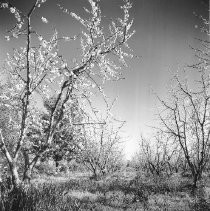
<point>44,20</point>
<point>64,65</point>
<point>44,43</point>
<point>7,38</point>
<point>4,5</point>
<point>15,35</point>
<point>19,25</point>
<point>19,87</point>
<point>66,38</point>
<point>12,9</point>
<point>40,38</point>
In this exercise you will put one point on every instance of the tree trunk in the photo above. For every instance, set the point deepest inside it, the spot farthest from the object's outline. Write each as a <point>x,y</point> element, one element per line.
<point>15,175</point>
<point>95,175</point>
<point>195,180</point>
<point>12,163</point>
<point>27,175</point>
<point>29,166</point>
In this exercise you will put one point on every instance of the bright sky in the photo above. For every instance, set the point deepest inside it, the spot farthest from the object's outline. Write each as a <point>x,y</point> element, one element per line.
<point>164,31</point>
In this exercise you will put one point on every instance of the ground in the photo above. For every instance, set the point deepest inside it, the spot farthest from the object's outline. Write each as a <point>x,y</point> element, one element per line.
<point>123,190</point>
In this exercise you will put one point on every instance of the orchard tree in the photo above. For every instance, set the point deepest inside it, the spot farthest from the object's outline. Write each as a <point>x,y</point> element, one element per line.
<point>159,155</point>
<point>38,67</point>
<point>101,153</point>
<point>186,117</point>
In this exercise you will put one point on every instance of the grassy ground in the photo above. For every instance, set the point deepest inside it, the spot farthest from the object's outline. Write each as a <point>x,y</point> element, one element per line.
<point>126,190</point>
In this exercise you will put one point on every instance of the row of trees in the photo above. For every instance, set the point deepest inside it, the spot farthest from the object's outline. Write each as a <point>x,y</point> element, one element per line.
<point>28,133</point>
<point>182,141</point>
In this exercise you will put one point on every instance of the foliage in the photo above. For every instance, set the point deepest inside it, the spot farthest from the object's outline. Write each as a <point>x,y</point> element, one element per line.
<point>67,139</point>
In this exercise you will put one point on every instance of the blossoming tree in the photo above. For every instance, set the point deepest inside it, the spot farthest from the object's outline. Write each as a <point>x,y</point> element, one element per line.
<point>38,67</point>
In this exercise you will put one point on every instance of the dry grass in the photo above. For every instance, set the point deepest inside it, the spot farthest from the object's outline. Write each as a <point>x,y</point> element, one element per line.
<point>126,190</point>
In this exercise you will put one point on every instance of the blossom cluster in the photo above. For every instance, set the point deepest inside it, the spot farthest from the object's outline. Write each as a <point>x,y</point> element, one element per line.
<point>15,32</point>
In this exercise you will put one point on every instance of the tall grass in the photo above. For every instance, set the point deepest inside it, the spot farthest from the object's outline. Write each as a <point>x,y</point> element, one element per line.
<point>112,193</point>
<point>34,198</point>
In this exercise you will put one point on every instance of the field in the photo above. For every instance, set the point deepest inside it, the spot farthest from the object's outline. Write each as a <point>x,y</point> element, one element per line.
<point>123,190</point>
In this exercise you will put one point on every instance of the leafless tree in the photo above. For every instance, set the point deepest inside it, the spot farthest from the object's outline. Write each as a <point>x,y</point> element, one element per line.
<point>102,151</point>
<point>186,118</point>
<point>159,155</point>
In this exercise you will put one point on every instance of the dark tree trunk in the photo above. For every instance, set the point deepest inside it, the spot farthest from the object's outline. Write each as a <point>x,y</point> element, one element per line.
<point>28,167</point>
<point>27,175</point>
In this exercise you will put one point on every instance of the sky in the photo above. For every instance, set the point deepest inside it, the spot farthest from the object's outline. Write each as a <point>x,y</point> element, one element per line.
<point>165,30</point>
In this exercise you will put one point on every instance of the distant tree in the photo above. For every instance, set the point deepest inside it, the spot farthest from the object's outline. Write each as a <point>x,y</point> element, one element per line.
<point>102,152</point>
<point>38,67</point>
<point>159,155</point>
